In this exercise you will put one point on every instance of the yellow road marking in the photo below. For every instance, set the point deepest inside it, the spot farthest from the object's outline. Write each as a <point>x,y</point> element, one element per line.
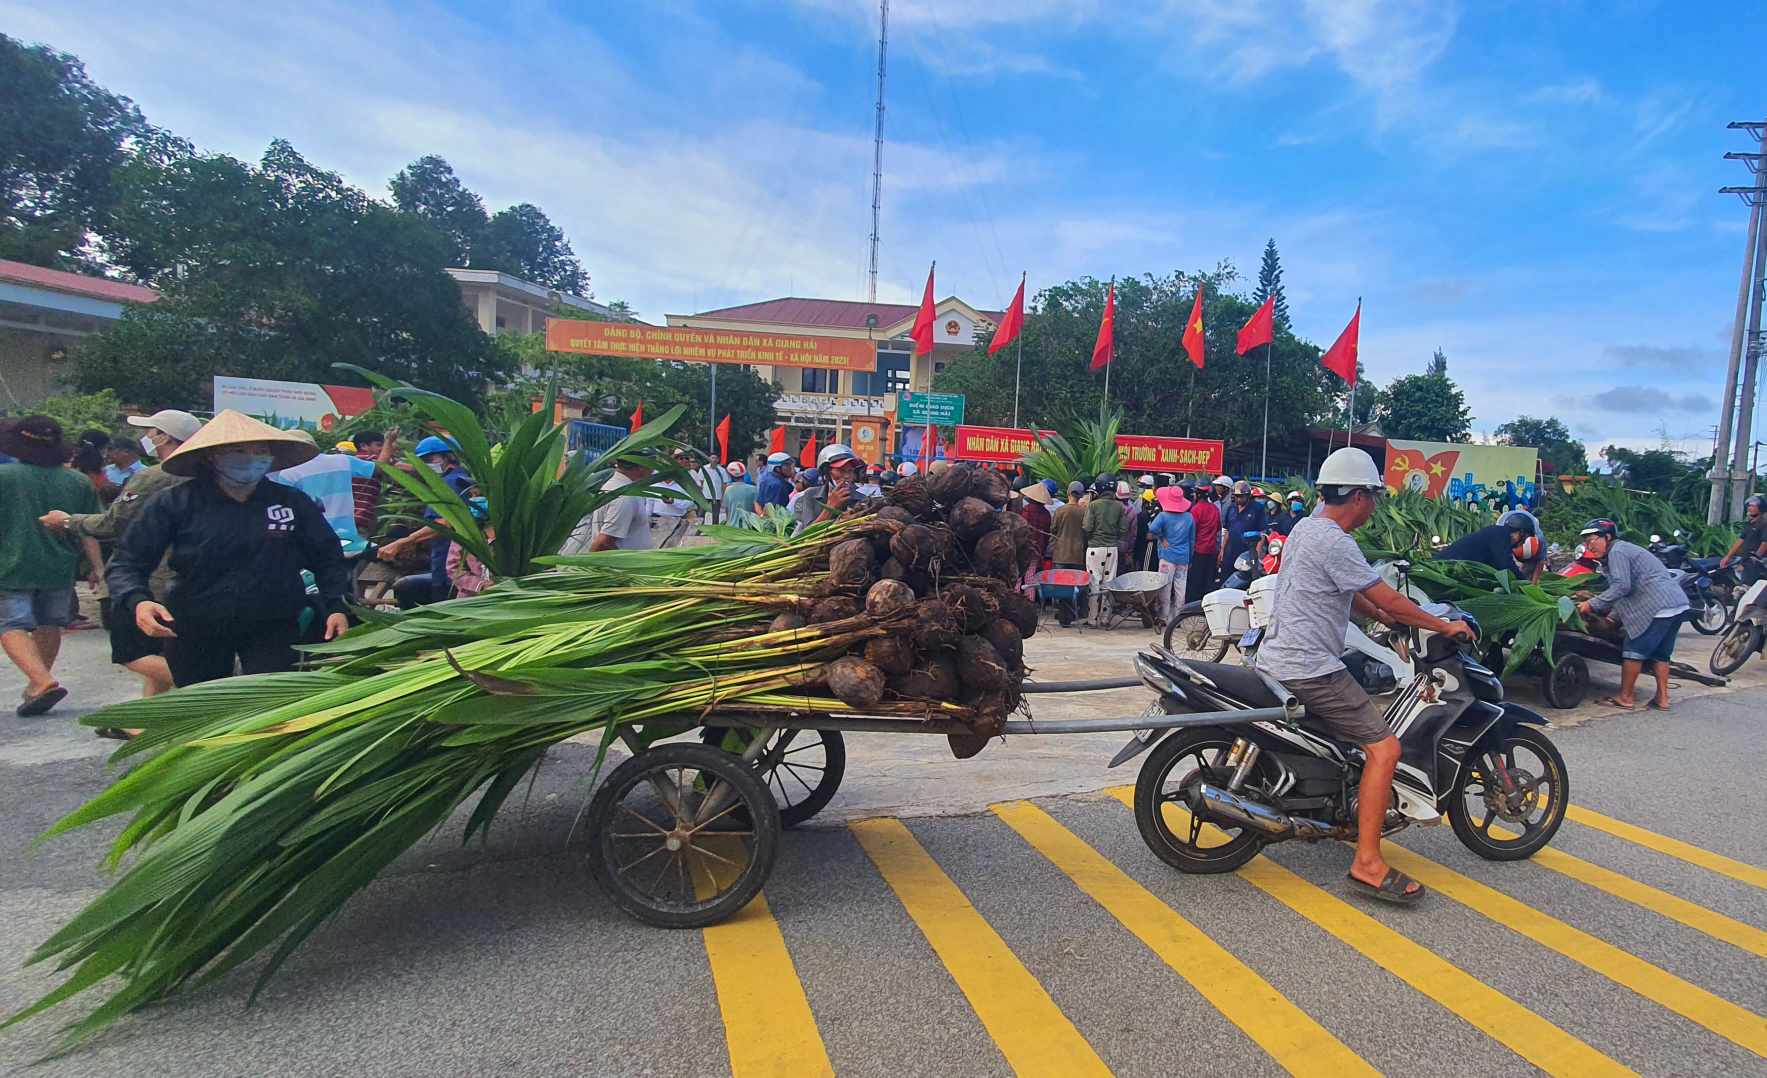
<point>1484,1008</point>
<point>768,1027</point>
<point>1654,983</point>
<point>1674,847</point>
<point>1698,918</point>
<point>1294,1040</point>
<point>1018,1014</point>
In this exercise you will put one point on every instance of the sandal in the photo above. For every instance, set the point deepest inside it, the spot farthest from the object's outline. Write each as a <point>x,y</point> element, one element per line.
<point>1654,706</point>
<point>1394,888</point>
<point>42,702</point>
<point>1614,701</point>
<point>114,733</point>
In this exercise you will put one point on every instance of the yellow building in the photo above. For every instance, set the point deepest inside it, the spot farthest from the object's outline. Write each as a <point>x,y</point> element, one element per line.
<point>823,403</point>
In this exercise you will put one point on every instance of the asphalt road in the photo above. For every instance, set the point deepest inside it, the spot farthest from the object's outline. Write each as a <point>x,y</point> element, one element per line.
<point>1040,936</point>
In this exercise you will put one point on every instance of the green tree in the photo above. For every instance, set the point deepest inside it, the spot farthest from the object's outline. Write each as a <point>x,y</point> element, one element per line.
<point>62,136</point>
<point>1438,365</point>
<point>277,271</point>
<point>1562,454</point>
<point>1426,407</point>
<point>1152,380</point>
<point>1660,471</point>
<point>519,240</point>
<point>428,188</point>
<point>1270,282</point>
<point>614,385</point>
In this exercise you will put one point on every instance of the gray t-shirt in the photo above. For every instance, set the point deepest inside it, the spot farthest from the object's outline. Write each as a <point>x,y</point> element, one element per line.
<point>1322,570</point>
<point>626,518</point>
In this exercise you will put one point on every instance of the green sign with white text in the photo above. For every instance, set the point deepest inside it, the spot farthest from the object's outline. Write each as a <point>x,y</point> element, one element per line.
<point>929,409</point>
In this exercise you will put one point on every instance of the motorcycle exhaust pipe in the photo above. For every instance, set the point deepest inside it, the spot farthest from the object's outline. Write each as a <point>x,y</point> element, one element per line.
<point>1262,818</point>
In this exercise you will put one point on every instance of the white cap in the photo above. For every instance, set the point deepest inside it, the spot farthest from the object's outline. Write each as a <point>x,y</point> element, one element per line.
<point>908,468</point>
<point>1222,481</point>
<point>181,426</point>
<point>781,457</point>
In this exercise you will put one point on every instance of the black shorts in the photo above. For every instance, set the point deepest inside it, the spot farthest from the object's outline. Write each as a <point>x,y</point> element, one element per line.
<point>1342,706</point>
<point>127,641</point>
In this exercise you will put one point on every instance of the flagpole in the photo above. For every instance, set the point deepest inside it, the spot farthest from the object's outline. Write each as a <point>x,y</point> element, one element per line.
<point>1264,455</point>
<point>1104,401</point>
<point>1017,375</point>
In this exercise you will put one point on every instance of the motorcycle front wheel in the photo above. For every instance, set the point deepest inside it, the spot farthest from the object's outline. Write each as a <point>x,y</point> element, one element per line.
<point>1510,818</point>
<point>1734,648</point>
<point>1711,619</point>
<point>1176,835</point>
<point>1188,637</point>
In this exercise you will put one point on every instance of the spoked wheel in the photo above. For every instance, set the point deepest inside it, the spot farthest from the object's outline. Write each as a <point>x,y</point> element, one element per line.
<point>1711,619</point>
<point>1509,799</point>
<point>1734,648</point>
<point>669,847</point>
<point>1177,835</point>
<point>1188,637</point>
<point>803,768</point>
<point>1567,682</point>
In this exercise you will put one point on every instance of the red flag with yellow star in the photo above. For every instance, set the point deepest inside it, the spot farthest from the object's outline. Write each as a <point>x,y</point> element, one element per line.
<point>1340,358</point>
<point>1193,331</point>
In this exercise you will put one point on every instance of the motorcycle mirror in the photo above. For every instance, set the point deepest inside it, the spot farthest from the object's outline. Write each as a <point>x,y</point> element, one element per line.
<point>1656,538</point>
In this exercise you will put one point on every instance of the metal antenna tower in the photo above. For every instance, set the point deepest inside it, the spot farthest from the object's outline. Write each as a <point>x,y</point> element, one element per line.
<point>883,40</point>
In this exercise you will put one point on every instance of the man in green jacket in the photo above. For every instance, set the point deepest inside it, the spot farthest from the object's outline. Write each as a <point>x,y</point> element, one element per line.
<point>1106,520</point>
<point>129,646</point>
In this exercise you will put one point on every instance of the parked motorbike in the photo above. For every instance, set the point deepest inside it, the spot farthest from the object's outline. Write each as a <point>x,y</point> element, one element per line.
<point>1746,635</point>
<point>1210,796</point>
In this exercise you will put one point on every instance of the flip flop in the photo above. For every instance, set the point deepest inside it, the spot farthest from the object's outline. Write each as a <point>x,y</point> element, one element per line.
<point>1611,701</point>
<point>1393,888</point>
<point>114,733</point>
<point>42,702</point>
<point>1654,706</point>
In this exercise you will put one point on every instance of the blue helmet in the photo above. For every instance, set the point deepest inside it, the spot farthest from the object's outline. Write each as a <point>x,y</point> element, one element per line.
<point>435,444</point>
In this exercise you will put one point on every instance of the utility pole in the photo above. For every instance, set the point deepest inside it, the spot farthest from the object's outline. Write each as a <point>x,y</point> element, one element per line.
<point>1741,476</point>
<point>883,41</point>
<point>1754,196</point>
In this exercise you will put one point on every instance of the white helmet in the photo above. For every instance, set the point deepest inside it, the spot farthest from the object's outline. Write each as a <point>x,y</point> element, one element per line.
<point>1222,481</point>
<point>1350,467</point>
<point>908,468</point>
<point>834,453</point>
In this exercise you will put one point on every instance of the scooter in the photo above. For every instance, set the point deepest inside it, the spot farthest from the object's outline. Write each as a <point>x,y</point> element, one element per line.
<point>1746,636</point>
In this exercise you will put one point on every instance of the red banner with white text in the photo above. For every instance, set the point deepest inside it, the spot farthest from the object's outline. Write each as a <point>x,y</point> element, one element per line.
<point>997,445</point>
<point>1148,453</point>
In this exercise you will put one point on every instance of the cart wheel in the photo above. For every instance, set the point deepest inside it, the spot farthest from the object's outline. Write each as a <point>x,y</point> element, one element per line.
<point>668,847</point>
<point>803,768</point>
<point>1567,683</point>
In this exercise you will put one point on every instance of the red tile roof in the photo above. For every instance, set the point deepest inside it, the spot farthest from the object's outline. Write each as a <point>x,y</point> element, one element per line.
<point>833,313</point>
<point>76,283</point>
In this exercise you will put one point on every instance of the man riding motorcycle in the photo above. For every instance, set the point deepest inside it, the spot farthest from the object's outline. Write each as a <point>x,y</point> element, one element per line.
<point>1752,544</point>
<point>1324,576</point>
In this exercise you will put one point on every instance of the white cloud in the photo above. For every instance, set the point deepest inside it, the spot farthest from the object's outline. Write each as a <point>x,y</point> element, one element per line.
<point>1577,91</point>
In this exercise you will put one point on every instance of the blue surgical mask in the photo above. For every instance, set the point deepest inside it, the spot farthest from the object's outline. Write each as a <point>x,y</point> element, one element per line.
<point>243,468</point>
<point>1297,506</point>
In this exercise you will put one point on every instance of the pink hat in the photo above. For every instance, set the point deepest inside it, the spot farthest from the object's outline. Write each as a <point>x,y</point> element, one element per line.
<point>1172,499</point>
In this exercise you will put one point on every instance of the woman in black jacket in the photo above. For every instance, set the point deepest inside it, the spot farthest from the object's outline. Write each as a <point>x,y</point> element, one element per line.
<point>238,544</point>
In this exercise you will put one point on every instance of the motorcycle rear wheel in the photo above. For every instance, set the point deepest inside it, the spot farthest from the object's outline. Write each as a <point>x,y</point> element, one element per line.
<point>1494,836</point>
<point>1188,637</point>
<point>1175,835</point>
<point>1734,648</point>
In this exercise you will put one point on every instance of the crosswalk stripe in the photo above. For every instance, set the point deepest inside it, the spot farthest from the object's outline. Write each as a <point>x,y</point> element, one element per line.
<point>1712,923</point>
<point>1674,847</point>
<point>1294,1040</point>
<point>1029,1029</point>
<point>1484,1008</point>
<point>749,964</point>
<point>1654,983</point>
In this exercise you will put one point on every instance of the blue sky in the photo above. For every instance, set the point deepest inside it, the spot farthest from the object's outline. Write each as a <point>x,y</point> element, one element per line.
<point>1530,186</point>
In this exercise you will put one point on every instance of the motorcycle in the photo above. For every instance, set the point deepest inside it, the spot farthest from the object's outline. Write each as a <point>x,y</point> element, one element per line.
<point>1700,579</point>
<point>1210,796</point>
<point>1746,635</point>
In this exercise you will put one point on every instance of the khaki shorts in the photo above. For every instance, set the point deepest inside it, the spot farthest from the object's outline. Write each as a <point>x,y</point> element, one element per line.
<point>1341,705</point>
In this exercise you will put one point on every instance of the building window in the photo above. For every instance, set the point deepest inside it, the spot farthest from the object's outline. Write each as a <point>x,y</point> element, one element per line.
<point>938,368</point>
<point>821,381</point>
<point>891,375</point>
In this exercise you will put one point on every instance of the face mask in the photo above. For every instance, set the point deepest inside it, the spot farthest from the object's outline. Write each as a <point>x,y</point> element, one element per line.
<point>147,446</point>
<point>1297,506</point>
<point>439,467</point>
<point>243,468</point>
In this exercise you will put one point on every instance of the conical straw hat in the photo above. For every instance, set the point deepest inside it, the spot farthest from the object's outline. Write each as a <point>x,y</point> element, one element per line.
<point>236,428</point>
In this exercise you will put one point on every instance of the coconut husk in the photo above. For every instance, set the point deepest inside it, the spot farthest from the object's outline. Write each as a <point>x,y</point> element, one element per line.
<point>933,677</point>
<point>952,485</point>
<point>992,487</point>
<point>894,655</point>
<point>935,626</point>
<point>887,597</point>
<point>1021,611</point>
<point>1007,642</point>
<point>916,546</point>
<point>791,619</point>
<point>856,682</point>
<point>852,564</point>
<point>979,665</point>
<point>996,555</point>
<point>834,608</point>
<point>971,517</point>
<point>897,514</point>
<point>973,607</point>
<point>911,495</point>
